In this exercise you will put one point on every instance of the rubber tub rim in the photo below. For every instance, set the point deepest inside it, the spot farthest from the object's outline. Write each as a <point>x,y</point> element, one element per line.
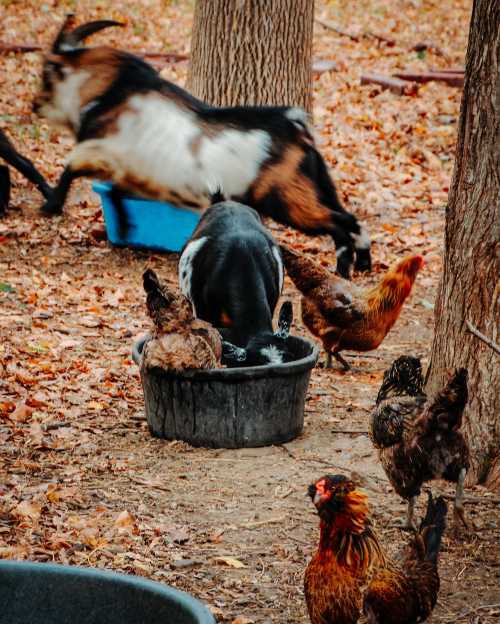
<point>189,603</point>
<point>239,373</point>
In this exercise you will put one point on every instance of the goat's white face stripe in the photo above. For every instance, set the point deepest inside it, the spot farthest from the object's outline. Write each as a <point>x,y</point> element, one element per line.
<point>186,266</point>
<point>281,272</point>
<point>67,98</point>
<point>272,354</point>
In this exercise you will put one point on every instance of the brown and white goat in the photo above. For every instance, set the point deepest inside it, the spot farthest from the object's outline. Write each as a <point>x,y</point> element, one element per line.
<point>152,138</point>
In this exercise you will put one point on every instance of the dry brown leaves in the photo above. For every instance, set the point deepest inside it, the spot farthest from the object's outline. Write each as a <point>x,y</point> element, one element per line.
<point>81,480</point>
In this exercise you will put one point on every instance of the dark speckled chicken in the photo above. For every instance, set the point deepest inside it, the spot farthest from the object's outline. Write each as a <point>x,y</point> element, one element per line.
<point>418,439</point>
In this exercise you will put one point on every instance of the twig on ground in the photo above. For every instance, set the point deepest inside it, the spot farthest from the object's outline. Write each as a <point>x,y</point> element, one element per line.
<point>259,523</point>
<point>343,33</point>
<point>450,78</point>
<point>349,431</point>
<point>494,500</point>
<point>173,57</point>
<point>400,87</point>
<point>485,339</point>
<point>356,37</point>
<point>480,608</point>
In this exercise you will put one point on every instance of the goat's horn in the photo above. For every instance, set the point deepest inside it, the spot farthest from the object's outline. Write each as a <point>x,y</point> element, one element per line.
<point>62,35</point>
<point>69,40</point>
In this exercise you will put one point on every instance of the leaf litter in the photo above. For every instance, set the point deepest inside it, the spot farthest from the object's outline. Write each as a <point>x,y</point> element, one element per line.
<point>81,480</point>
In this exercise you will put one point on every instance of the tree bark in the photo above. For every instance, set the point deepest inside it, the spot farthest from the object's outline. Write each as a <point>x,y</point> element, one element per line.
<point>252,52</point>
<point>469,288</point>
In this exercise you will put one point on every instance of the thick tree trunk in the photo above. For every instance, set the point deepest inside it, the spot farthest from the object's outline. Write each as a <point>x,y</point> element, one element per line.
<point>252,52</point>
<point>469,288</point>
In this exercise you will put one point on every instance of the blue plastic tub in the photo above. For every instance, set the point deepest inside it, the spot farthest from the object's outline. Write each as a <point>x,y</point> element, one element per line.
<point>159,226</point>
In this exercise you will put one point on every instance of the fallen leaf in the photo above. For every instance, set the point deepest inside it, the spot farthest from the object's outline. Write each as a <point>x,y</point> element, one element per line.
<point>230,561</point>
<point>125,521</point>
<point>26,509</point>
<point>22,413</point>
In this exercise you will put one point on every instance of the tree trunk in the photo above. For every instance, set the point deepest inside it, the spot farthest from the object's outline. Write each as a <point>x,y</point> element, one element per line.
<point>252,52</point>
<point>469,288</point>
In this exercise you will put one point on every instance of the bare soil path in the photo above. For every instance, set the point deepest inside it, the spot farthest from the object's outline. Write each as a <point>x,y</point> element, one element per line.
<point>81,480</point>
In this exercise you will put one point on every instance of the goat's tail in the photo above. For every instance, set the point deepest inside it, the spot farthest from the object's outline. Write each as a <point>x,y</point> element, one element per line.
<point>217,197</point>
<point>432,528</point>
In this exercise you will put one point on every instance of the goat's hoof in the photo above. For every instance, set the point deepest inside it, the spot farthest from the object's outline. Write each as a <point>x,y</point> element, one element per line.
<point>362,266</point>
<point>344,272</point>
<point>51,208</point>
<point>363,260</point>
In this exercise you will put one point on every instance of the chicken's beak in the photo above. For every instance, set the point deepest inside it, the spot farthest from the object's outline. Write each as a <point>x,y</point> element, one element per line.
<point>317,498</point>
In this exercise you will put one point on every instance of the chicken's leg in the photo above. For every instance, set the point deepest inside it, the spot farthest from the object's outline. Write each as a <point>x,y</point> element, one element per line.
<point>410,522</point>
<point>341,360</point>
<point>458,507</point>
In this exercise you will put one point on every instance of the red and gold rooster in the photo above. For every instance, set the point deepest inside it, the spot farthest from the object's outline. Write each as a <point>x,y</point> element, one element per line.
<point>349,574</point>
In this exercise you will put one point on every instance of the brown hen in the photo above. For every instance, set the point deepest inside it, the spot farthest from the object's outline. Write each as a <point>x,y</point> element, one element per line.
<point>179,341</point>
<point>343,315</point>
<point>349,574</point>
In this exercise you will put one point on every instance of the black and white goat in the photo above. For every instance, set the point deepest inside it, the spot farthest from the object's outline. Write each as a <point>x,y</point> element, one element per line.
<point>152,138</point>
<point>231,271</point>
<point>13,158</point>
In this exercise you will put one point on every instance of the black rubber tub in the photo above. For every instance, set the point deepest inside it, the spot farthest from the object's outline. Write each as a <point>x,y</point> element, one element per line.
<point>230,407</point>
<point>40,593</point>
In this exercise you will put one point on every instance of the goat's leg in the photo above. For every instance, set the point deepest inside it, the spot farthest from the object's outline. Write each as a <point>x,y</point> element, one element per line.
<point>55,202</point>
<point>362,247</point>
<point>28,170</point>
<point>116,196</point>
<point>458,507</point>
<point>344,250</point>
<point>328,361</point>
<point>4,189</point>
<point>9,153</point>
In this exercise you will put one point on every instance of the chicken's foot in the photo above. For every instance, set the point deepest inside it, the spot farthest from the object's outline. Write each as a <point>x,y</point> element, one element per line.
<point>341,360</point>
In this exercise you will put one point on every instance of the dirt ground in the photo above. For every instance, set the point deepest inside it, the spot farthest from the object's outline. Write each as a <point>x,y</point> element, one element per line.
<point>81,480</point>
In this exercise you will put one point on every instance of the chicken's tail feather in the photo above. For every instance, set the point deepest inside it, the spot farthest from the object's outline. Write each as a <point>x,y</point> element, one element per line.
<point>445,411</point>
<point>157,295</point>
<point>432,527</point>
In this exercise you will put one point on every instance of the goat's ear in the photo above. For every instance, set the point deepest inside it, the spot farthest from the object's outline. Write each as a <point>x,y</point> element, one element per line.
<point>285,320</point>
<point>68,39</point>
<point>231,353</point>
